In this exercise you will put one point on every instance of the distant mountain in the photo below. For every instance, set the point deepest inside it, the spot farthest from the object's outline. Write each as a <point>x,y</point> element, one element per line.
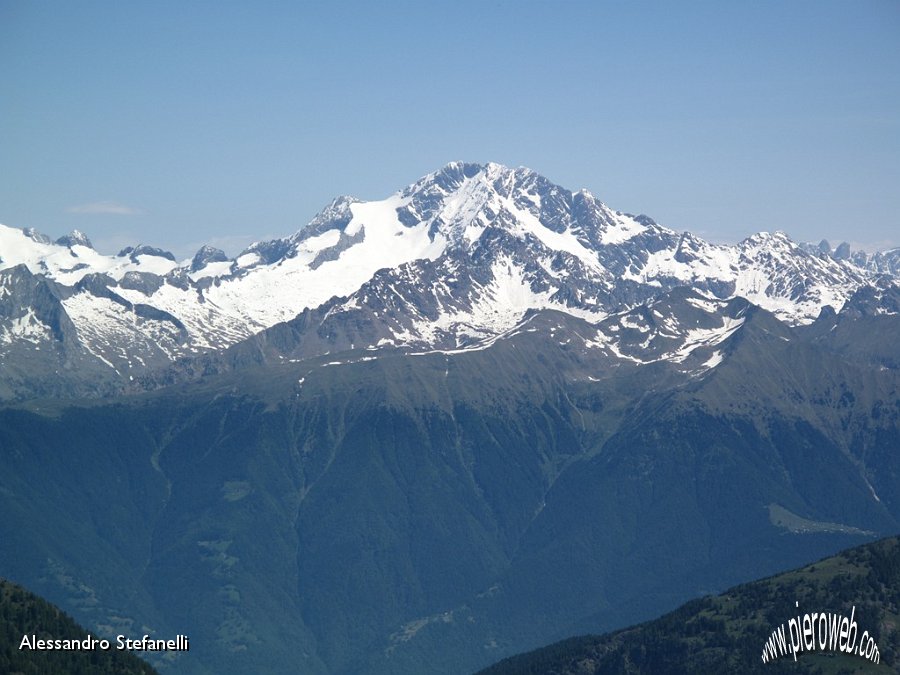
<point>25,614</point>
<point>881,262</point>
<point>727,633</point>
<point>451,261</point>
<point>431,431</point>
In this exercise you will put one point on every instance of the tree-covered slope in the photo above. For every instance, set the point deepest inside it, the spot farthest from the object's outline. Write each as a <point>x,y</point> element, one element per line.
<point>727,633</point>
<point>431,513</point>
<point>23,613</point>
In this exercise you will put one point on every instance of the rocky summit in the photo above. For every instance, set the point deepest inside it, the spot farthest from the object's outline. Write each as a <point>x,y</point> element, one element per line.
<point>452,261</point>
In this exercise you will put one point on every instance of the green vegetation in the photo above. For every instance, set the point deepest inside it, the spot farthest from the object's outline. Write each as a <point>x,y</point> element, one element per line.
<point>433,514</point>
<point>726,633</point>
<point>23,613</point>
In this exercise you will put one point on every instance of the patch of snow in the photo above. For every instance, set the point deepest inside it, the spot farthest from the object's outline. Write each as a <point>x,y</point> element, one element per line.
<point>624,229</point>
<point>213,269</point>
<point>27,328</point>
<point>714,360</point>
<point>705,337</point>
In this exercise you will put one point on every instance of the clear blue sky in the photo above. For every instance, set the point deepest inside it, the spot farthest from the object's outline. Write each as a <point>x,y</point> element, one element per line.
<point>177,123</point>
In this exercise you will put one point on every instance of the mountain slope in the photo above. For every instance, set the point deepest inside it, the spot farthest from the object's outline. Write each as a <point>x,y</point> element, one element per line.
<point>727,633</point>
<point>22,613</point>
<point>426,432</point>
<point>385,511</point>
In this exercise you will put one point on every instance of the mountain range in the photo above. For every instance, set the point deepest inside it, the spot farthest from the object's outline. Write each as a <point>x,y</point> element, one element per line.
<point>432,431</point>
<point>450,262</point>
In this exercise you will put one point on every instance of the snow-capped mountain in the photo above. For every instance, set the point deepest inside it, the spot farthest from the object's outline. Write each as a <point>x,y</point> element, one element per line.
<point>881,262</point>
<point>457,258</point>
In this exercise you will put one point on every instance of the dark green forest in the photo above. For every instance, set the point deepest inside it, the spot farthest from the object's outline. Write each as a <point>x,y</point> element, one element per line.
<point>23,613</point>
<point>726,633</point>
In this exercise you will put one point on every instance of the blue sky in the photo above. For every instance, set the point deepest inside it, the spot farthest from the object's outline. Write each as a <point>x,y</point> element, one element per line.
<point>175,123</point>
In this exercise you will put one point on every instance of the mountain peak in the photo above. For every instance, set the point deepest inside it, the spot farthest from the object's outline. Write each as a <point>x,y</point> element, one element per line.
<point>445,180</point>
<point>334,216</point>
<point>75,238</point>
<point>133,252</point>
<point>454,259</point>
<point>768,238</point>
<point>36,236</point>
<point>206,255</point>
